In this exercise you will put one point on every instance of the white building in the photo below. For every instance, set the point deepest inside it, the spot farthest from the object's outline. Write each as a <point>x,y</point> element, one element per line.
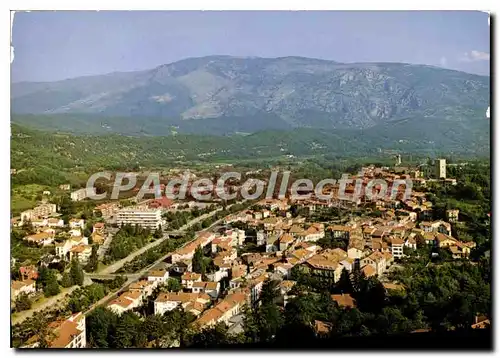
<point>63,248</point>
<point>40,211</point>
<point>440,168</point>
<point>168,301</point>
<point>160,276</point>
<point>79,194</point>
<point>18,287</point>
<point>80,252</point>
<point>77,224</point>
<point>142,216</point>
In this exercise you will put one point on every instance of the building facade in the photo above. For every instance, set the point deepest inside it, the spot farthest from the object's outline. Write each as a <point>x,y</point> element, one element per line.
<point>440,168</point>
<point>141,216</point>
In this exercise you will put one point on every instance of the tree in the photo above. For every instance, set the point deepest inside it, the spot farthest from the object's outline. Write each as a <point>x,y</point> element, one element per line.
<point>155,328</point>
<point>93,262</point>
<point>198,261</point>
<point>48,280</point>
<point>40,326</point>
<point>344,285</point>
<point>209,337</point>
<point>66,280</point>
<point>128,331</point>
<point>23,302</point>
<point>76,272</point>
<point>100,325</point>
<point>173,285</point>
<point>158,233</point>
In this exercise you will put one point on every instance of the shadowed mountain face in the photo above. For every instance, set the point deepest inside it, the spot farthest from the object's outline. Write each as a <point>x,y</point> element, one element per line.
<point>229,94</point>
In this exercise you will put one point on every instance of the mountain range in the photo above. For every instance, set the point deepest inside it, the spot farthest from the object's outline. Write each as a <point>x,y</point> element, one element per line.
<point>387,103</point>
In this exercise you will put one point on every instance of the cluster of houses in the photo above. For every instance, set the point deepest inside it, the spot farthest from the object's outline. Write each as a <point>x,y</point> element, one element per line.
<point>138,292</point>
<point>49,230</point>
<point>68,240</point>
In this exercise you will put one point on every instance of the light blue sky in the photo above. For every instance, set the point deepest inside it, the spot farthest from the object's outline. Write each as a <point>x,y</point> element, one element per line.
<point>57,45</point>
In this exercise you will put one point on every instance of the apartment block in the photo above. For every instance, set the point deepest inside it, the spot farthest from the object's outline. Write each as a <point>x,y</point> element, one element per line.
<point>142,216</point>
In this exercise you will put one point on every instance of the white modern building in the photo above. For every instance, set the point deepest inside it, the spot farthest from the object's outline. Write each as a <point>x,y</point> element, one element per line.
<point>79,194</point>
<point>440,168</point>
<point>142,216</point>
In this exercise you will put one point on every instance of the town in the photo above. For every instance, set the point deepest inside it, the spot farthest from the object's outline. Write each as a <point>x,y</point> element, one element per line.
<point>214,260</point>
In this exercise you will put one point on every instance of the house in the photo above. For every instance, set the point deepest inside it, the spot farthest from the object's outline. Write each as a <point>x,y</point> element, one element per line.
<point>379,245</point>
<point>39,222</point>
<point>41,211</point>
<point>411,241</point>
<point>223,311</point>
<point>344,300</point>
<point>125,302</point>
<point>377,260</point>
<point>80,252</point>
<point>97,238</point>
<point>98,228</point>
<point>481,322</point>
<point>167,301</point>
<point>452,215</point>
<point>75,232</point>
<point>354,253</point>
<point>283,268</point>
<point>77,224</point>
<point>55,222</point>
<point>261,238</point>
<point>436,226</point>
<point>182,266</point>
<point>397,247</point>
<point>187,252</point>
<point>284,241</point>
<point>144,287</point>
<point>40,239</point>
<point>255,286</point>
<point>218,275</point>
<point>443,240</point>
<point>159,275</point>
<point>28,272</point>
<point>272,243</point>
<point>22,287</point>
<point>460,250</point>
<point>79,194</point>
<point>210,288</point>
<point>369,271</point>
<point>322,328</point>
<point>314,232</point>
<point>68,333</point>
<point>340,231</point>
<point>107,210</point>
<point>188,278</point>
<point>390,286</point>
<point>161,203</point>
<point>323,267</point>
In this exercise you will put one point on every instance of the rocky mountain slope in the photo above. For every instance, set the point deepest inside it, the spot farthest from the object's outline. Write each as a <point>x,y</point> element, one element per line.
<point>229,94</point>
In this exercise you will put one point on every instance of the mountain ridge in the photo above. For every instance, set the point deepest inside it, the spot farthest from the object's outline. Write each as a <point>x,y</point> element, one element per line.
<point>292,91</point>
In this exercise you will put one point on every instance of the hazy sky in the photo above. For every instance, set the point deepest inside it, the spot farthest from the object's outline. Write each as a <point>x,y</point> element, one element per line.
<point>57,45</point>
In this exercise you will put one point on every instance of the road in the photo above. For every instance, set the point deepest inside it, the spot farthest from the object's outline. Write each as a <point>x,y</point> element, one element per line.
<point>53,302</point>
